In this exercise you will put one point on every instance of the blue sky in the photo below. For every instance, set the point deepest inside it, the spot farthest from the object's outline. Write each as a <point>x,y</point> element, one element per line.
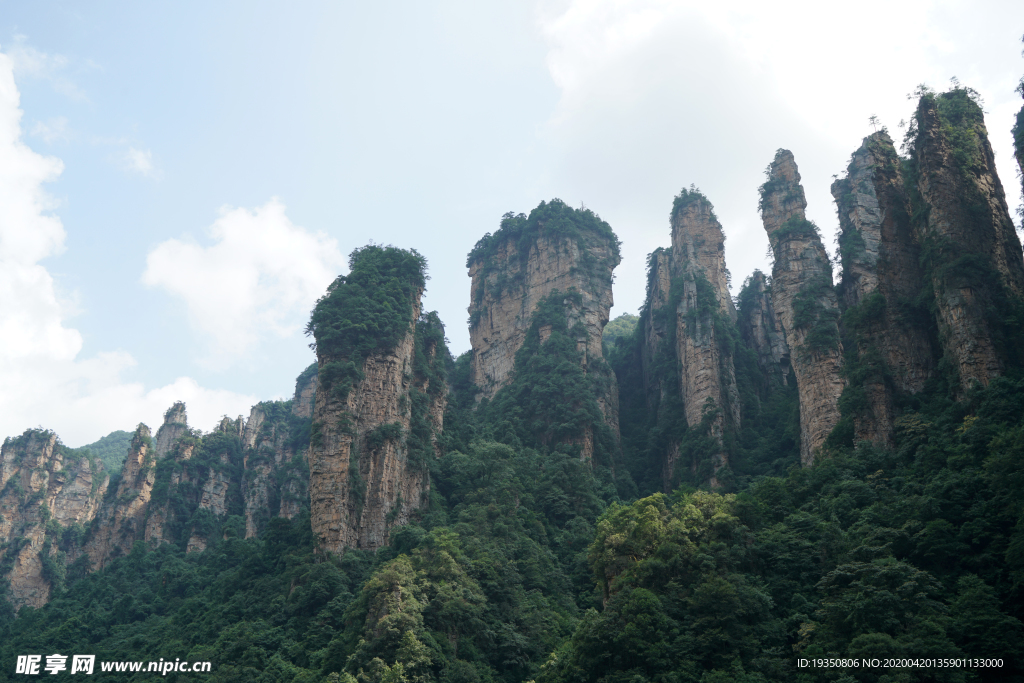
<point>184,179</point>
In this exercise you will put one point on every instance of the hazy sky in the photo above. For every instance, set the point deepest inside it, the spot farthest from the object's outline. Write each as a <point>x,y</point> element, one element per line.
<point>180,181</point>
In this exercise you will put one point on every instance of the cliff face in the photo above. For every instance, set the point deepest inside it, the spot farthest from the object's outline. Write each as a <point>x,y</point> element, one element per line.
<point>654,323</point>
<point>761,330</point>
<point>181,487</point>
<point>276,481</point>
<point>44,489</point>
<point>882,279</point>
<point>971,246</point>
<point>805,303</point>
<point>368,453</point>
<point>521,265</point>
<point>707,374</point>
<point>686,359</point>
<point>122,519</point>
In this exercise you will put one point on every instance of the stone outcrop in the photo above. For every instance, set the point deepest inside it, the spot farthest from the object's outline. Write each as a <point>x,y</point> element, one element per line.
<point>881,281</point>
<point>122,519</point>
<point>686,318</point>
<point>654,322</point>
<point>967,231</point>
<point>174,427</point>
<point>707,376</point>
<point>56,504</point>
<point>512,274</point>
<point>276,473</point>
<point>368,466</point>
<point>804,300</point>
<point>42,482</point>
<point>762,331</point>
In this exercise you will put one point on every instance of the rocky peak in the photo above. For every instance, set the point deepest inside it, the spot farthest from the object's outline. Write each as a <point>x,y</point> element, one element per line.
<point>705,308</point>
<point>880,284</point>
<point>121,520</point>
<point>973,253</point>
<point>554,249</point>
<point>805,302</point>
<point>782,196</point>
<point>46,488</point>
<point>366,472</point>
<point>175,425</point>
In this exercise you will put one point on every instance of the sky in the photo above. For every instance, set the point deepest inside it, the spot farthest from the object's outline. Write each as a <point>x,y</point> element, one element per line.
<point>180,182</point>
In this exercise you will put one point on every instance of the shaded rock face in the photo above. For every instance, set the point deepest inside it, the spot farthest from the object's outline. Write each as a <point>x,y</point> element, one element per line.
<point>761,330</point>
<point>362,479</point>
<point>507,288</point>
<point>805,303</point>
<point>655,324</point>
<point>967,232</point>
<point>683,354</point>
<point>40,482</point>
<point>122,519</point>
<point>276,478</point>
<point>882,279</point>
<point>707,373</point>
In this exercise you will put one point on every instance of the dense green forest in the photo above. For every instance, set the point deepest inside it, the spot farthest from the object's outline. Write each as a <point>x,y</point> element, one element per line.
<point>110,449</point>
<point>527,566</point>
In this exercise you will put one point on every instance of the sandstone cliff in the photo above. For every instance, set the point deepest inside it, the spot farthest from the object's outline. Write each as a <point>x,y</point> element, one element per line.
<point>805,302</point>
<point>276,470</point>
<point>686,358</point>
<point>705,308</point>
<point>555,249</point>
<point>379,403</point>
<point>655,321</point>
<point>880,286</point>
<point>761,330</point>
<point>48,493</point>
<point>122,518</point>
<point>971,248</point>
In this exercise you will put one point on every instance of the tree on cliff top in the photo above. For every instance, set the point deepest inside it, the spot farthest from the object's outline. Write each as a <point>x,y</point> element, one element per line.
<point>369,310</point>
<point>554,218</point>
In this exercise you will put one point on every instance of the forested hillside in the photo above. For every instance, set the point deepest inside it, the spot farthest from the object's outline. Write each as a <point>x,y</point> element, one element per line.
<point>597,510</point>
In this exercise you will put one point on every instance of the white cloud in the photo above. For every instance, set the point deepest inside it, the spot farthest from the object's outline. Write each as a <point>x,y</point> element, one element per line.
<point>29,62</point>
<point>52,130</point>
<point>140,161</point>
<point>258,279</point>
<point>44,380</point>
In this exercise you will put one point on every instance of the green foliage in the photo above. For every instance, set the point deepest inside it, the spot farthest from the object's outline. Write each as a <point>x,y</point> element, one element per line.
<point>814,311</point>
<point>621,328</point>
<point>369,310</point>
<point>688,196</point>
<point>555,220</point>
<point>110,449</point>
<point>915,551</point>
<point>796,226</point>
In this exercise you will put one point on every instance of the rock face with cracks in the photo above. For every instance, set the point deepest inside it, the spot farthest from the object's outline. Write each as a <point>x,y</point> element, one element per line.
<point>44,489</point>
<point>57,507</point>
<point>762,332</point>
<point>804,300</point>
<point>707,373</point>
<point>122,519</point>
<point>373,434</point>
<point>882,279</point>
<point>968,236</point>
<point>511,280</point>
